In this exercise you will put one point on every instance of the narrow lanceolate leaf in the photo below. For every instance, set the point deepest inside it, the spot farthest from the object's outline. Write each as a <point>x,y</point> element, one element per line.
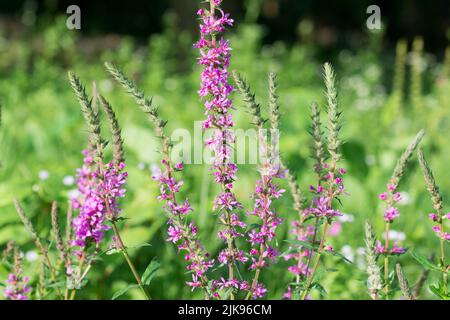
<point>374,284</point>
<point>402,163</point>
<point>249,99</point>
<point>317,135</point>
<point>334,126</point>
<point>121,292</point>
<point>117,141</point>
<point>90,115</point>
<point>425,262</point>
<point>145,105</point>
<point>150,272</point>
<point>430,182</point>
<point>274,107</point>
<point>403,282</point>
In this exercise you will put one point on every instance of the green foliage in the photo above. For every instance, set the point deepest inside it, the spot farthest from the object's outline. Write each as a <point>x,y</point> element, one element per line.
<point>42,129</point>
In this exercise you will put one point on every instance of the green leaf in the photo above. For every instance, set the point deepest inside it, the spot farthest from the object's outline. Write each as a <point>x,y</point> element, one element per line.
<point>337,254</point>
<point>150,272</point>
<point>123,291</point>
<point>319,288</point>
<point>60,284</point>
<point>439,291</point>
<point>138,246</point>
<point>303,244</point>
<point>424,261</point>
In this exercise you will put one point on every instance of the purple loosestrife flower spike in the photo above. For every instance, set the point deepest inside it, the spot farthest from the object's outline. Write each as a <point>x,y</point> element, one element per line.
<point>438,217</point>
<point>391,197</point>
<point>215,92</point>
<point>100,190</point>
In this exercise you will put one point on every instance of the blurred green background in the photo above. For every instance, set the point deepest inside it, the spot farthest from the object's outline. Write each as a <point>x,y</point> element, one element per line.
<point>391,84</point>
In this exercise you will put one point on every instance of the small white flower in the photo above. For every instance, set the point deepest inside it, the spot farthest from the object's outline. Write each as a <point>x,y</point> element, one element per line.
<point>31,256</point>
<point>156,171</point>
<point>370,160</point>
<point>68,180</point>
<point>43,174</point>
<point>405,198</point>
<point>361,258</point>
<point>361,251</point>
<point>346,217</point>
<point>395,235</point>
<point>347,252</point>
<point>35,188</point>
<point>73,194</point>
<point>141,165</point>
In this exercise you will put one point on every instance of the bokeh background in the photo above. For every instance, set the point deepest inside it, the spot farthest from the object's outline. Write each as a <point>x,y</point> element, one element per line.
<point>392,83</point>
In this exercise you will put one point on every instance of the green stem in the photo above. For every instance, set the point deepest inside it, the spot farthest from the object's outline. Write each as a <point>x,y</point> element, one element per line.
<point>123,249</point>
<point>386,264</point>
<point>443,262</point>
<point>316,262</point>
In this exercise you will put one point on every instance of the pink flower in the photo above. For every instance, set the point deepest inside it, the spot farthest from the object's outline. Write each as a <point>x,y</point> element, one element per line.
<point>100,189</point>
<point>391,187</point>
<point>16,287</point>
<point>383,196</point>
<point>288,295</point>
<point>335,229</point>
<point>390,214</point>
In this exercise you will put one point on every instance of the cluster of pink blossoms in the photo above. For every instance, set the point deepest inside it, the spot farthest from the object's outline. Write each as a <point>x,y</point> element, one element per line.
<point>266,190</point>
<point>395,250</point>
<point>16,287</point>
<point>180,232</point>
<point>215,92</point>
<point>321,206</point>
<point>304,234</point>
<point>100,190</point>
<point>391,198</point>
<point>437,225</point>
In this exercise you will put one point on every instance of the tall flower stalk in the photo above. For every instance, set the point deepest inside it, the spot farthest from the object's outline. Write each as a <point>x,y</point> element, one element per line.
<point>391,197</point>
<point>101,186</point>
<point>331,186</point>
<point>215,92</point>
<point>438,217</point>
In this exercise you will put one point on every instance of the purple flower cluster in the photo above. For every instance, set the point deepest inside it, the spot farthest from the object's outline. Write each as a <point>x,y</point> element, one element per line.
<point>438,225</point>
<point>321,205</point>
<point>215,92</point>
<point>16,287</point>
<point>391,198</point>
<point>100,187</point>
<point>180,232</point>
<point>305,234</point>
<point>260,238</point>
<point>396,250</point>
